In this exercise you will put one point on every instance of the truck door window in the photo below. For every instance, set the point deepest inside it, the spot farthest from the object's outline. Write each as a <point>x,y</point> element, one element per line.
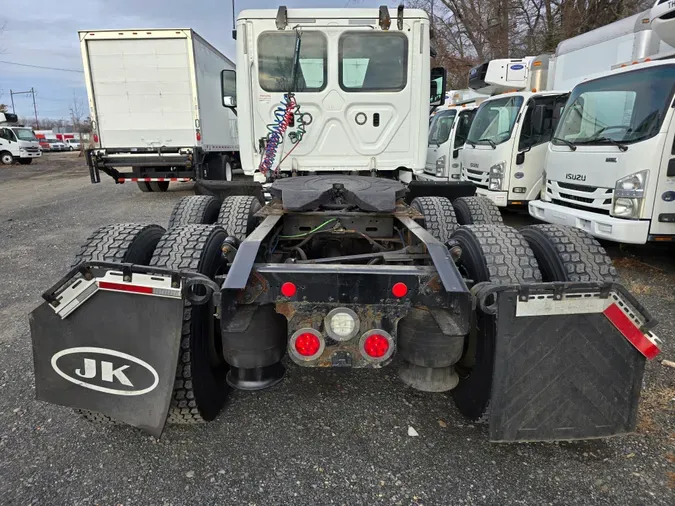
<point>7,134</point>
<point>540,121</point>
<point>440,128</point>
<point>276,52</point>
<point>372,62</point>
<point>463,126</point>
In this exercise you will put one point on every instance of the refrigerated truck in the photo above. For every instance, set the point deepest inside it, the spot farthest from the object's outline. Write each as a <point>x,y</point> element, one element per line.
<point>155,111</point>
<point>506,145</point>
<point>611,166</point>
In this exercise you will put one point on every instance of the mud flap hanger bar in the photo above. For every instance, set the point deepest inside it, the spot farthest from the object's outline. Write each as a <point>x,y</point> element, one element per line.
<point>188,280</point>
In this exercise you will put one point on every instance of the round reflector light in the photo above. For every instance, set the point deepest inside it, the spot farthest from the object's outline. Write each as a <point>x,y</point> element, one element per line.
<point>399,290</point>
<point>288,289</point>
<point>307,344</point>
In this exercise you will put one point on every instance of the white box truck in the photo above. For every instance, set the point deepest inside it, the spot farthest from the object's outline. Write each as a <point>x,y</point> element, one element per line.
<point>505,149</point>
<point>610,169</point>
<point>17,142</point>
<point>155,107</point>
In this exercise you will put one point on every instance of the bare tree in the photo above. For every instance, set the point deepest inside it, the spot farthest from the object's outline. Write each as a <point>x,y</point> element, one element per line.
<point>77,115</point>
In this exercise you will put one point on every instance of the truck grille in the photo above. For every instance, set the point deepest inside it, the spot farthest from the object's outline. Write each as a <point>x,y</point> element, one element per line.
<point>477,177</point>
<point>32,150</point>
<point>577,196</point>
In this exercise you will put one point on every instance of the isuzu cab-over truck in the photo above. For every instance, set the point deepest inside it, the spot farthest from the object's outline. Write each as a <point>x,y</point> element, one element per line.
<point>339,270</point>
<point>17,142</point>
<point>610,168</point>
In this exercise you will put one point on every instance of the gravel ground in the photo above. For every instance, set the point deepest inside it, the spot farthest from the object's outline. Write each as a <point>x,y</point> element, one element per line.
<point>320,437</point>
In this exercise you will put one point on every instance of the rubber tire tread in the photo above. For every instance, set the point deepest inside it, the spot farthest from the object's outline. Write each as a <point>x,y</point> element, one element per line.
<point>237,215</point>
<point>499,254</point>
<point>123,242</point>
<point>158,186</point>
<point>198,393</point>
<point>194,210</point>
<point>144,186</point>
<point>477,210</point>
<point>439,216</point>
<point>25,161</point>
<point>569,254</point>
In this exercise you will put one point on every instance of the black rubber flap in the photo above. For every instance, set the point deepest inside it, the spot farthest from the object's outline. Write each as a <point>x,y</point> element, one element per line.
<point>304,193</point>
<point>116,354</point>
<point>561,377</point>
<point>447,189</point>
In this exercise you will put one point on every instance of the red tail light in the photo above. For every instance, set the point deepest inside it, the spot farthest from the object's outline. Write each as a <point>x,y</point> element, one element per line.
<point>306,344</point>
<point>96,138</point>
<point>377,345</point>
<point>399,290</point>
<point>199,135</point>
<point>288,289</point>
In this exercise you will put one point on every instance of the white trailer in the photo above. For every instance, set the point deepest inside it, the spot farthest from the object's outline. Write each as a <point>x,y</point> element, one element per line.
<point>506,146</point>
<point>155,107</point>
<point>610,168</point>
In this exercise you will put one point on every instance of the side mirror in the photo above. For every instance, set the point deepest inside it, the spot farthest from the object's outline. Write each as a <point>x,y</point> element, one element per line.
<point>439,77</point>
<point>455,153</point>
<point>228,88</point>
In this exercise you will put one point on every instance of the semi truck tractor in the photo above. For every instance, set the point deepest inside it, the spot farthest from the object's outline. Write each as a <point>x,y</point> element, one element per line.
<point>156,323</point>
<point>156,116</point>
<point>610,168</point>
<point>17,142</point>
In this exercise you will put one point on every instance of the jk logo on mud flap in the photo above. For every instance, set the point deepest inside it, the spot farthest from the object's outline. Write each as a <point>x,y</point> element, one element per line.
<point>105,370</point>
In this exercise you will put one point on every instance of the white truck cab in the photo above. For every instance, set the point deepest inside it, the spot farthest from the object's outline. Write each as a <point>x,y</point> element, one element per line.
<point>447,134</point>
<point>611,166</point>
<point>17,142</point>
<point>505,149</point>
<point>333,90</point>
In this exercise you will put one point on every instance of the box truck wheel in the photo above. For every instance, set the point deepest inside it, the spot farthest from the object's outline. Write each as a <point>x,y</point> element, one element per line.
<point>439,216</point>
<point>569,254</point>
<point>499,254</point>
<point>25,161</point>
<point>199,389</point>
<point>158,186</point>
<point>476,210</point>
<point>237,215</point>
<point>6,158</point>
<point>195,210</point>
<point>118,243</point>
<point>144,186</point>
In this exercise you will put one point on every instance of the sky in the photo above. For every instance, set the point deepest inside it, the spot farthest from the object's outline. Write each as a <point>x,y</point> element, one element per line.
<point>45,34</point>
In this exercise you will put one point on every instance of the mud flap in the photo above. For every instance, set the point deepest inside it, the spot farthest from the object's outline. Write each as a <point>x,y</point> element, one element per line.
<point>113,352</point>
<point>567,365</point>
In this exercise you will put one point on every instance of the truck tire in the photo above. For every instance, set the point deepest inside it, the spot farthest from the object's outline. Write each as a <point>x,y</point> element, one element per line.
<point>477,210</point>
<point>118,243</point>
<point>195,210</point>
<point>569,254</point>
<point>199,388</point>
<point>25,161</point>
<point>6,158</point>
<point>499,254</point>
<point>144,186</point>
<point>237,215</point>
<point>219,168</point>
<point>158,186</point>
<point>439,216</point>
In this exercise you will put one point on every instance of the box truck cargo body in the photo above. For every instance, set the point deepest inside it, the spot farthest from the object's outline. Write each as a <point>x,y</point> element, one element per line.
<point>154,102</point>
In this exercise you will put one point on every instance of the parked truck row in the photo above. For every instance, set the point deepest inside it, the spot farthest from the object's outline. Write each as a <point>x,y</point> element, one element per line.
<point>565,134</point>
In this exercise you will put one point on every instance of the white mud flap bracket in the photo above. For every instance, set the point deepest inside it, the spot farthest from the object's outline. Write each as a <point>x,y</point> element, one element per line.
<point>107,340</point>
<point>569,359</point>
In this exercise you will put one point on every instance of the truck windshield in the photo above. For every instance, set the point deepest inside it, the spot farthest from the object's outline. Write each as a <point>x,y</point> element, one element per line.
<point>494,120</point>
<point>627,107</point>
<point>276,51</point>
<point>24,134</point>
<point>441,126</point>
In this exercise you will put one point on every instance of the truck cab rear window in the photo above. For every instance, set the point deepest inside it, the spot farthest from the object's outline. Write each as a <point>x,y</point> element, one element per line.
<point>373,61</point>
<point>276,56</point>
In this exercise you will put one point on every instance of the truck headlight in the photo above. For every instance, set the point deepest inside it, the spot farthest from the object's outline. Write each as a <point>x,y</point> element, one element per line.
<point>440,165</point>
<point>496,176</point>
<point>628,198</point>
